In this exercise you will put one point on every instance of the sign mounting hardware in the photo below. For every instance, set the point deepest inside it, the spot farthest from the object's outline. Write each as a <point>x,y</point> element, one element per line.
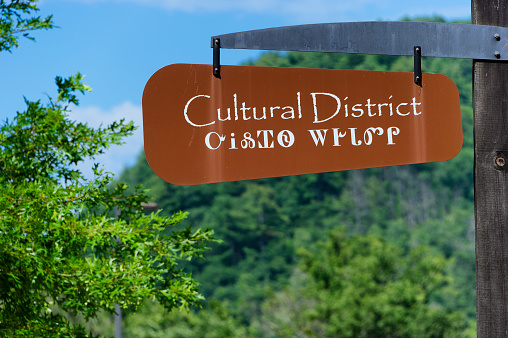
<point>436,39</point>
<point>417,61</point>
<point>216,57</point>
<point>418,65</point>
<point>388,38</point>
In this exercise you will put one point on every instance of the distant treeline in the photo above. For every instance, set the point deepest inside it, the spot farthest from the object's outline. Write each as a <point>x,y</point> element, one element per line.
<point>389,250</point>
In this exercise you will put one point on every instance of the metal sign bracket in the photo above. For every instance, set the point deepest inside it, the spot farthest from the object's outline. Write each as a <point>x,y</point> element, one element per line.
<point>437,39</point>
<point>216,57</point>
<point>418,65</point>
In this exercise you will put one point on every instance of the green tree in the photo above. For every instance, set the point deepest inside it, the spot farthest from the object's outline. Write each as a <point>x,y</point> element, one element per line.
<point>365,287</point>
<point>70,243</point>
<point>14,22</point>
<point>153,322</point>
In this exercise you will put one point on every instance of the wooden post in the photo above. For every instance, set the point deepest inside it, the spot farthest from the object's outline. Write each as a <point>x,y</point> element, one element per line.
<point>490,104</point>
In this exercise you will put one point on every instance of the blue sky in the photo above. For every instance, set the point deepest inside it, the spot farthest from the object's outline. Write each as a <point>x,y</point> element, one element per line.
<point>119,44</point>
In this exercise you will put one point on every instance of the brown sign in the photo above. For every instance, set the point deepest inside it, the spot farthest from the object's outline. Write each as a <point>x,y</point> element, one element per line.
<point>257,122</point>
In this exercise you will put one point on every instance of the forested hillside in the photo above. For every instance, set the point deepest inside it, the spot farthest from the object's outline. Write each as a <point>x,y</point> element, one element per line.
<point>374,252</point>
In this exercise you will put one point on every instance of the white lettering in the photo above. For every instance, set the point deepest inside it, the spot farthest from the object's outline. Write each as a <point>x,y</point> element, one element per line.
<point>228,118</point>
<point>272,109</point>
<point>368,105</point>
<point>367,135</point>
<point>414,104</point>
<point>236,106</point>
<point>318,135</point>
<point>248,141</point>
<point>398,112</point>
<point>233,143</point>
<point>265,139</point>
<point>286,138</point>
<point>336,136</point>
<point>290,112</point>
<point>207,140</point>
<point>379,107</point>
<point>186,116</point>
<point>360,110</point>
<point>390,132</point>
<point>244,109</point>
<point>314,102</point>
<point>260,118</point>
<point>353,137</point>
<point>299,105</point>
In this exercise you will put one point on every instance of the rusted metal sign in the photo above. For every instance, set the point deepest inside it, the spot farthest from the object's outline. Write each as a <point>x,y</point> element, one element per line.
<point>257,122</point>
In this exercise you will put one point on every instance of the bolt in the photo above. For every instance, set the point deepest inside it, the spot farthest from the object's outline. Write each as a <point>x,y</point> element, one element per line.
<point>500,161</point>
<point>497,54</point>
<point>497,37</point>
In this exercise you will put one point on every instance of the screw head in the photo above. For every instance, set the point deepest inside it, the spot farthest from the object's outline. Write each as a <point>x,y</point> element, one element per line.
<point>497,37</point>
<point>497,54</point>
<point>500,161</point>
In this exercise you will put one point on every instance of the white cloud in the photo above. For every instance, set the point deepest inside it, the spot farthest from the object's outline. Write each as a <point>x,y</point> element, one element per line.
<point>118,157</point>
<point>299,8</point>
<point>306,11</point>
